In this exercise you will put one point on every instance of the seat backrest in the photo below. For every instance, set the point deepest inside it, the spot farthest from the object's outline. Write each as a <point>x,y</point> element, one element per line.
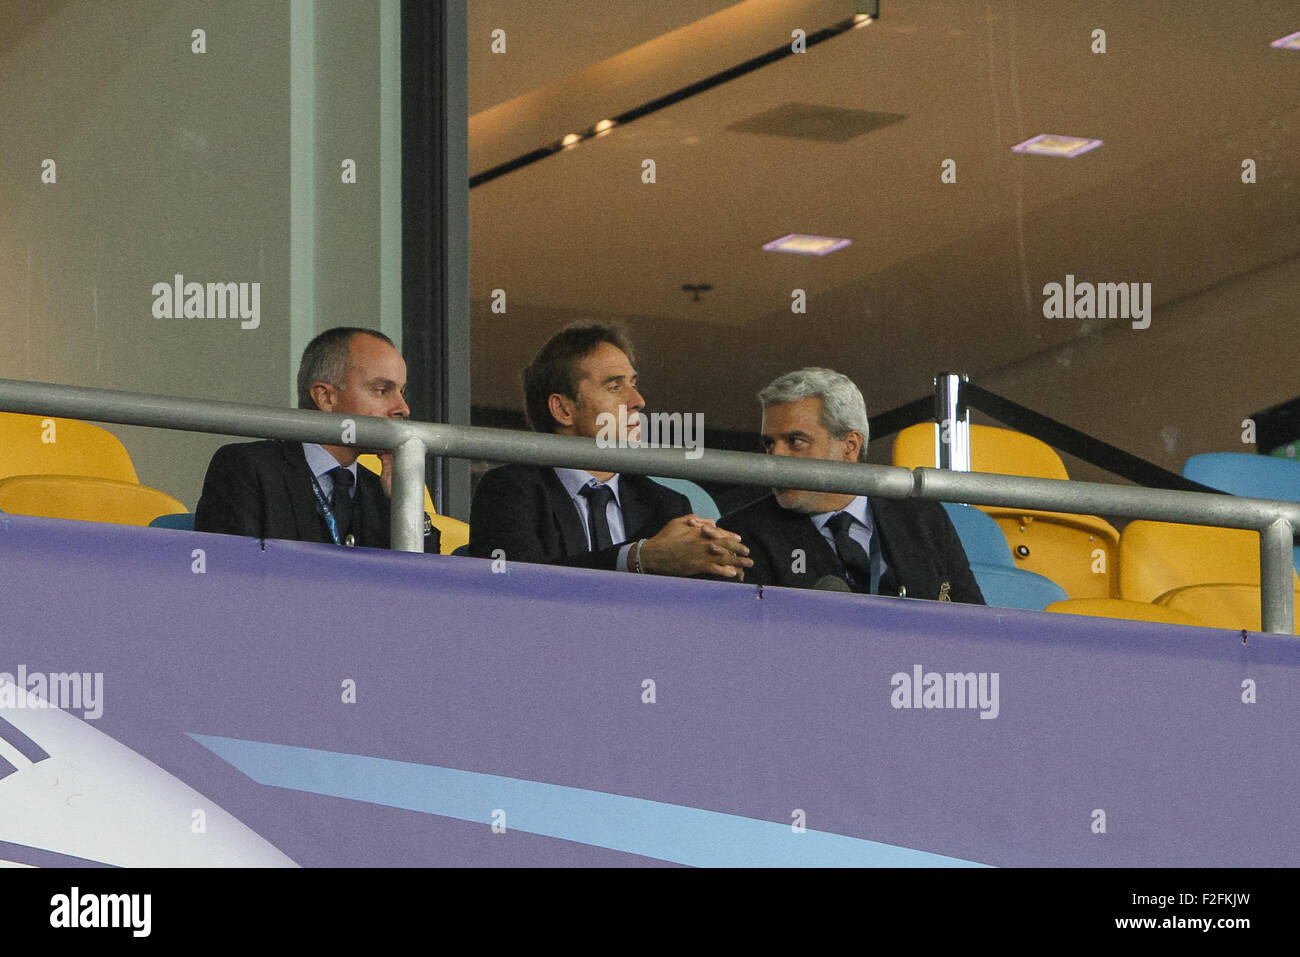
<point>1248,475</point>
<point>44,445</point>
<point>980,536</point>
<point>453,532</point>
<point>1223,606</point>
<point>1128,610</point>
<point>702,503</point>
<point>1156,557</point>
<point>1013,588</point>
<point>183,521</point>
<point>85,498</point>
<point>1242,473</point>
<point>1001,451</point>
<point>371,462</point>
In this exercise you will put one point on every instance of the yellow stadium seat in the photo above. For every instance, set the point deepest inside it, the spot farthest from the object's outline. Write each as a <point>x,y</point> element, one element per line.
<point>1129,610</point>
<point>1220,605</point>
<point>1078,552</point>
<point>43,445</point>
<point>1000,451</point>
<point>453,532</point>
<point>1158,557</point>
<point>85,498</point>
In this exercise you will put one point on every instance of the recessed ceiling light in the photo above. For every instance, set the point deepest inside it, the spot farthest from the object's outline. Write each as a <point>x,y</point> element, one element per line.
<point>1052,144</point>
<point>570,141</point>
<point>806,245</point>
<point>1288,43</point>
<point>603,127</point>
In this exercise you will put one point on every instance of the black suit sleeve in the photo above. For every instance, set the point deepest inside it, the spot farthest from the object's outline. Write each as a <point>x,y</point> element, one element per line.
<point>511,514</point>
<point>760,573</point>
<point>501,518</point>
<point>231,502</point>
<point>433,542</point>
<point>964,587</point>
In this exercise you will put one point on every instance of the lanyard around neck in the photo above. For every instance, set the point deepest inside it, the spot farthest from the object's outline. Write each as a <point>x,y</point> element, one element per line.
<point>327,513</point>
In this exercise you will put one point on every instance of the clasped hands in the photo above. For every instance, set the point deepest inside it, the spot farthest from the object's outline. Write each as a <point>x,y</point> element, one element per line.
<point>692,545</point>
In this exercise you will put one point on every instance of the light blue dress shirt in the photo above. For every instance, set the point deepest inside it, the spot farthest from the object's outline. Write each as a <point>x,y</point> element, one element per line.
<point>860,531</point>
<point>573,481</point>
<point>321,464</point>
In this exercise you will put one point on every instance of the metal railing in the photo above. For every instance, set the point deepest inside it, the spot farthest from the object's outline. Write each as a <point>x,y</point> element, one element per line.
<point>410,441</point>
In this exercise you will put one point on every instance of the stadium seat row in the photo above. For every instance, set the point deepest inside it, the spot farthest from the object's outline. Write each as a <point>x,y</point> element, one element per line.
<point>1022,558</point>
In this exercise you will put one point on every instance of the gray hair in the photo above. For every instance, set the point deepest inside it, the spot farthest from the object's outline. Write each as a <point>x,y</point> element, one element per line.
<point>843,409</point>
<point>326,360</point>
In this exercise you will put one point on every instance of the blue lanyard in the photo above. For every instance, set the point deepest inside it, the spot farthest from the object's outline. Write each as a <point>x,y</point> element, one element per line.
<point>327,513</point>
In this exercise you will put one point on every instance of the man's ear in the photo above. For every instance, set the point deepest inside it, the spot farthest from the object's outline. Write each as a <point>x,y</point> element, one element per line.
<point>562,408</point>
<point>852,445</point>
<point>322,393</point>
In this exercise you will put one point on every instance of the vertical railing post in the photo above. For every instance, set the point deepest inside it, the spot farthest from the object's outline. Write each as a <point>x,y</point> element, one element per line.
<point>952,422</point>
<point>1277,600</point>
<point>407,524</point>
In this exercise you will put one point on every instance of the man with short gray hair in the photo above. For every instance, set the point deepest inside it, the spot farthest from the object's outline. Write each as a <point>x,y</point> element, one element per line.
<point>301,491</point>
<point>799,538</point>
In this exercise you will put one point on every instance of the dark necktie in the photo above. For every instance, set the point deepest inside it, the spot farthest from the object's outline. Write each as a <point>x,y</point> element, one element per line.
<point>598,498</point>
<point>341,500</point>
<point>853,555</point>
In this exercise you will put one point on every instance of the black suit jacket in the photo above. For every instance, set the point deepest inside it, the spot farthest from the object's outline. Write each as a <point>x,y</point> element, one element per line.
<point>526,511</point>
<point>263,490</point>
<point>921,549</point>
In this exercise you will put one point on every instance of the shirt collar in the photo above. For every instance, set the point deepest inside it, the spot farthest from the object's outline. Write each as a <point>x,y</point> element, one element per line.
<point>574,479</point>
<point>320,461</point>
<point>859,508</point>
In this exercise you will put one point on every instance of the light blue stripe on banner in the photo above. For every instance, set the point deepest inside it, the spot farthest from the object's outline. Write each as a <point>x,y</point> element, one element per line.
<point>668,832</point>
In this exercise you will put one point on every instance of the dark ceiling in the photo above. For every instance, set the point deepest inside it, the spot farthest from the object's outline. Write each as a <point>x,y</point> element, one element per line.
<point>939,275</point>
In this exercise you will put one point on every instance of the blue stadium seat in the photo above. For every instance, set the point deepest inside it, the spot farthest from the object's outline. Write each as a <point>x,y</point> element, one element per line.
<point>1248,475</point>
<point>702,503</point>
<point>182,520</point>
<point>461,549</point>
<point>980,536</point>
<point>1243,473</point>
<point>1016,588</point>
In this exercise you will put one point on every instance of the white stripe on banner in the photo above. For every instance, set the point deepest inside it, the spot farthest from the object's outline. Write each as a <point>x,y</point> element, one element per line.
<point>667,832</point>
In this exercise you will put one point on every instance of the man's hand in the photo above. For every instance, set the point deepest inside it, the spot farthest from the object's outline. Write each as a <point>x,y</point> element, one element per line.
<point>386,472</point>
<point>691,545</point>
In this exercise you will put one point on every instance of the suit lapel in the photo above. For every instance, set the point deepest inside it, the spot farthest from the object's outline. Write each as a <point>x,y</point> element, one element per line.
<point>823,559</point>
<point>633,499</point>
<point>906,567</point>
<point>802,533</point>
<point>373,531</point>
<point>565,514</point>
<point>310,527</point>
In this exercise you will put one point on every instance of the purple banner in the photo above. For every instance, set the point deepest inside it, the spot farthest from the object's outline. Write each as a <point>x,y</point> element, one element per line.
<point>222,702</point>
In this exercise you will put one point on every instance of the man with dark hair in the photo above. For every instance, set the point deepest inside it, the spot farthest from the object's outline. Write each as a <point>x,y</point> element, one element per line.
<point>316,493</point>
<point>797,538</point>
<point>528,513</point>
